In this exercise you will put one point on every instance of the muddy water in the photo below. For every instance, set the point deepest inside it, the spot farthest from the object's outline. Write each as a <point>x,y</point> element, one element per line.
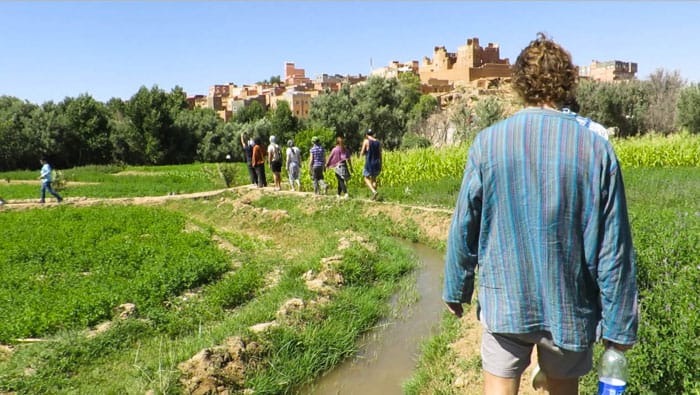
<point>389,353</point>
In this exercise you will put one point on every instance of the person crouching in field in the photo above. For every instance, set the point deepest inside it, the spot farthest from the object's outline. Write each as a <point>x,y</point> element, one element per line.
<point>45,177</point>
<point>542,214</point>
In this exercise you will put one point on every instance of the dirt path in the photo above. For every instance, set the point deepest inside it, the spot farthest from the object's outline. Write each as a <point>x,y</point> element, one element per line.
<point>85,201</point>
<point>38,182</point>
<point>143,200</point>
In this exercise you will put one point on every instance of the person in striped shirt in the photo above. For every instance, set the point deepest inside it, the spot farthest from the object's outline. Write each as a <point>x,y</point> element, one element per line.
<point>542,214</point>
<point>317,165</point>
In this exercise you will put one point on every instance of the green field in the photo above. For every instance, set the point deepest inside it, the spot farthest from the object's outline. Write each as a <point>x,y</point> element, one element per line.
<point>203,270</point>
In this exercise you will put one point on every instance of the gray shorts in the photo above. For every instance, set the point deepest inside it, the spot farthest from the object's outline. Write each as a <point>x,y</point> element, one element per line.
<point>508,355</point>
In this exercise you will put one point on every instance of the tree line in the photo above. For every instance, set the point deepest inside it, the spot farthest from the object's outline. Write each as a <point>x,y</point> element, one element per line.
<point>155,127</point>
<point>664,103</point>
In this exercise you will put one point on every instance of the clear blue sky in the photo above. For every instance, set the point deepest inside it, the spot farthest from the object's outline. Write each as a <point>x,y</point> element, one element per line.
<point>53,50</point>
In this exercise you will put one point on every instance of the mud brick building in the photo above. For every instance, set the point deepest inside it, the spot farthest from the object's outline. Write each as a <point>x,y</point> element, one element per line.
<point>610,71</point>
<point>472,63</point>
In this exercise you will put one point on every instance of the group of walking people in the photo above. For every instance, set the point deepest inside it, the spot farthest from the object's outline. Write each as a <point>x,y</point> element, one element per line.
<point>339,160</point>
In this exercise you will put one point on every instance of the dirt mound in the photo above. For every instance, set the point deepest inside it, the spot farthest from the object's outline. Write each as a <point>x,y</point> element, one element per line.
<point>220,369</point>
<point>123,312</point>
<point>348,238</point>
<point>327,280</point>
<point>432,222</point>
<point>5,352</point>
<point>290,307</point>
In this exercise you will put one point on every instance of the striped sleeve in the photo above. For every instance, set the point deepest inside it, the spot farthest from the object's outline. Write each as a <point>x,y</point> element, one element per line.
<point>463,239</point>
<point>616,264</point>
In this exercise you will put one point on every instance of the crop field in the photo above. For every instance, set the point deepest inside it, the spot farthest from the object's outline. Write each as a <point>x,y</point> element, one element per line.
<point>90,260</point>
<point>116,297</point>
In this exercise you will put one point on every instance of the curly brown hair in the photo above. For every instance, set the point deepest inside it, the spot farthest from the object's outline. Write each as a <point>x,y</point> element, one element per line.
<point>544,73</point>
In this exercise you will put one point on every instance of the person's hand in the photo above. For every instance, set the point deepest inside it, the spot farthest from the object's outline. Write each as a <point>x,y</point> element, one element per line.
<point>455,308</point>
<point>620,347</point>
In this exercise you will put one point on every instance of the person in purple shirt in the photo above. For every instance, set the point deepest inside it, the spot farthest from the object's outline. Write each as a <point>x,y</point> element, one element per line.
<point>542,213</point>
<point>339,161</point>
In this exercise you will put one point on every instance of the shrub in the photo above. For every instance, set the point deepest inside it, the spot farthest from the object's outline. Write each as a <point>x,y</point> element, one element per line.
<point>488,112</point>
<point>227,172</point>
<point>59,180</point>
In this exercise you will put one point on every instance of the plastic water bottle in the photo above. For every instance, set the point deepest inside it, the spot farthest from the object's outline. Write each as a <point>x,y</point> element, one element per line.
<point>612,375</point>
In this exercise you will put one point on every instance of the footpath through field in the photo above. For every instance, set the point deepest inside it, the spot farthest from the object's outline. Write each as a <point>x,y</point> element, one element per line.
<point>144,200</point>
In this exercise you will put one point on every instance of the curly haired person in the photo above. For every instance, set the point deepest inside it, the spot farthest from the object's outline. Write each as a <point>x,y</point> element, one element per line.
<point>542,215</point>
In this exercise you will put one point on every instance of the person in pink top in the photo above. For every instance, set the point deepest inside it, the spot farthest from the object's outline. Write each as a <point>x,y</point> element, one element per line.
<point>339,161</point>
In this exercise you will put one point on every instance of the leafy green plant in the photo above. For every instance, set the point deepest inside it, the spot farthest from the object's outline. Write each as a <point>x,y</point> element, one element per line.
<point>59,181</point>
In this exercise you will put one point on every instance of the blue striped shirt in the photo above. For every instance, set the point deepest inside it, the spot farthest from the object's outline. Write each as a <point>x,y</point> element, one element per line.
<point>318,156</point>
<point>542,212</point>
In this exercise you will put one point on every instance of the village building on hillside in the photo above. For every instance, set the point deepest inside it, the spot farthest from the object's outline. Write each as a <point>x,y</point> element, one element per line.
<point>610,71</point>
<point>297,90</point>
<point>471,64</point>
<point>227,99</point>
<point>294,76</point>
<point>395,68</point>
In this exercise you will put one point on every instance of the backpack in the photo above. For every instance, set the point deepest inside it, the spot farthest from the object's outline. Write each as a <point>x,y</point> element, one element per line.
<point>276,153</point>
